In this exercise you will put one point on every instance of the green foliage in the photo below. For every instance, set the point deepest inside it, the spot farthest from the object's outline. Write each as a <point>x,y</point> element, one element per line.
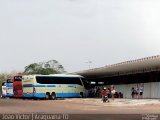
<point>37,69</point>
<point>42,71</point>
<point>31,68</point>
<point>4,76</point>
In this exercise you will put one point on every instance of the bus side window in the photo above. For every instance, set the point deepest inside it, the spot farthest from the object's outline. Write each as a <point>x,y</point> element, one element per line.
<point>58,80</point>
<point>74,81</point>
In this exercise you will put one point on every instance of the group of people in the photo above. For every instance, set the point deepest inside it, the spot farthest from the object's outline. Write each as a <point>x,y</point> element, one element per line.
<point>111,93</point>
<point>137,92</point>
<point>97,92</point>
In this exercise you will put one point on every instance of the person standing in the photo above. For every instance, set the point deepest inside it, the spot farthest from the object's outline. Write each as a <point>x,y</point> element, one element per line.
<point>112,92</point>
<point>98,92</point>
<point>141,91</point>
<point>133,92</point>
<point>137,92</point>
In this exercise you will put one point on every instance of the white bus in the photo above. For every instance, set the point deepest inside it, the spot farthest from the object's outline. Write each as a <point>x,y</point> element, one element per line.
<point>4,92</point>
<point>53,86</point>
<point>9,88</point>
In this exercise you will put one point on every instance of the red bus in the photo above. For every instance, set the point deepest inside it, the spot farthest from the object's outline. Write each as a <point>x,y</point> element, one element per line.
<point>17,86</point>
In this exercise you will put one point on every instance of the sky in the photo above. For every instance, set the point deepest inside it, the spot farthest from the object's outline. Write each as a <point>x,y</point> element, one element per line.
<point>74,32</point>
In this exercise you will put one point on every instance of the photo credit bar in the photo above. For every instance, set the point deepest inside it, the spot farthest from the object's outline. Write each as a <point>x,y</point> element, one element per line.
<point>50,117</point>
<point>34,116</point>
<point>150,117</point>
<point>15,116</point>
<point>43,116</point>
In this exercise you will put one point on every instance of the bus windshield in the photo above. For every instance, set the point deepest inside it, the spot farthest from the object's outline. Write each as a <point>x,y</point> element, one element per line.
<point>3,83</point>
<point>58,80</point>
<point>9,81</point>
<point>17,78</point>
<point>86,83</point>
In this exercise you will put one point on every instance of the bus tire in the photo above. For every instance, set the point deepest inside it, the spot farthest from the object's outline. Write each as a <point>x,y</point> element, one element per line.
<point>81,95</point>
<point>53,96</point>
<point>47,96</point>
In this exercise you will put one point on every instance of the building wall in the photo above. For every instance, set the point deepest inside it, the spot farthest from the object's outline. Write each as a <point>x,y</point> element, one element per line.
<point>151,90</point>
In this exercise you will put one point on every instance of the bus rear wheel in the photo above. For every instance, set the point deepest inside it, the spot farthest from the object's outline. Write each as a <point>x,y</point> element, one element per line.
<point>53,96</point>
<point>47,96</point>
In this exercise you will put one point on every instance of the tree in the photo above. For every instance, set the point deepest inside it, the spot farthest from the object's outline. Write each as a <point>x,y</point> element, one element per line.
<point>31,68</point>
<point>44,68</point>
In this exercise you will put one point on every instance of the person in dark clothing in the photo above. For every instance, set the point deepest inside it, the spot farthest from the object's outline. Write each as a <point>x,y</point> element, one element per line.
<point>133,92</point>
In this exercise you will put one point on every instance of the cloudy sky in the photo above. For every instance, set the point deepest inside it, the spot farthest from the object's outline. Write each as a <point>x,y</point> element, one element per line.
<point>76,31</point>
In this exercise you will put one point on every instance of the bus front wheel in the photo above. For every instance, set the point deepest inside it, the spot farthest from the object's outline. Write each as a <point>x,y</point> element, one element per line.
<point>53,96</point>
<point>81,95</point>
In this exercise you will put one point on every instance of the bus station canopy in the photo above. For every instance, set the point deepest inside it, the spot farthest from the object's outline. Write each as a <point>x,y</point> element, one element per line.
<point>143,65</point>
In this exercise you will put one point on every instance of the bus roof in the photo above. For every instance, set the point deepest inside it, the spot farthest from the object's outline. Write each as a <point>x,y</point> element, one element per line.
<point>57,75</point>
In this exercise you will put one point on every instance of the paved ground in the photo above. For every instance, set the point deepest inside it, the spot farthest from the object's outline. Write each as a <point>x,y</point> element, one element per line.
<point>80,106</point>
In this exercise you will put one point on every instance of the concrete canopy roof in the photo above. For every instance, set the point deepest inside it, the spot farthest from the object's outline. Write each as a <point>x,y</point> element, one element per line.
<point>143,65</point>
